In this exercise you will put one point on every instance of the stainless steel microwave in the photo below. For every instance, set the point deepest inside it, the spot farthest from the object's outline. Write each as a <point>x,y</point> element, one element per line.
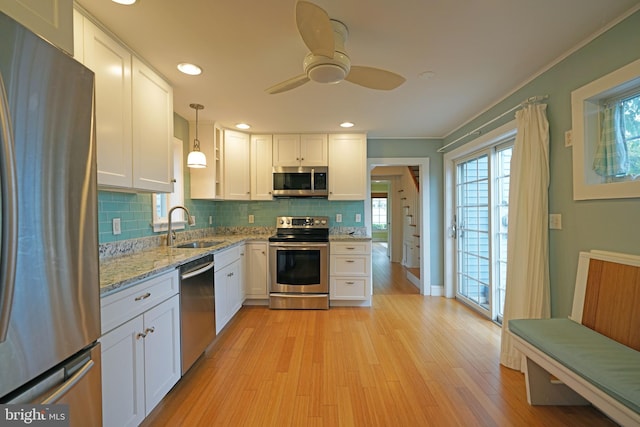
<point>300,181</point>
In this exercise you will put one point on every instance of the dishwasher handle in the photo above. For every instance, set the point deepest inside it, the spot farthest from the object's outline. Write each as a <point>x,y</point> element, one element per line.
<point>201,270</point>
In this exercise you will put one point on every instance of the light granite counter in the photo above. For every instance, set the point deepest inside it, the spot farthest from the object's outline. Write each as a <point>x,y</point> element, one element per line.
<point>121,272</point>
<point>348,238</point>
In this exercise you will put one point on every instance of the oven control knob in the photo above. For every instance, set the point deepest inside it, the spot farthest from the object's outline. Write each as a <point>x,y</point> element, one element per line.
<point>323,222</point>
<point>316,221</point>
<point>282,221</point>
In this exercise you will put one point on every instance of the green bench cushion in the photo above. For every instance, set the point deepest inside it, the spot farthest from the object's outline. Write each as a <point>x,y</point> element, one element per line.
<point>612,367</point>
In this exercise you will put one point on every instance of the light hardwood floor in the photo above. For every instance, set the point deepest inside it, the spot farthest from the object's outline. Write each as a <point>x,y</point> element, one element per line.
<point>409,360</point>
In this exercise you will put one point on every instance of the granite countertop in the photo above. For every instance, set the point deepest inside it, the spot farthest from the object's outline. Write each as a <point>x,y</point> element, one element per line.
<point>348,237</point>
<point>118,273</point>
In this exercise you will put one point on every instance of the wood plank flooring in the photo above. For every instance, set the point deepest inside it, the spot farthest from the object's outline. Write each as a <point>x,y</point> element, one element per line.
<point>409,360</point>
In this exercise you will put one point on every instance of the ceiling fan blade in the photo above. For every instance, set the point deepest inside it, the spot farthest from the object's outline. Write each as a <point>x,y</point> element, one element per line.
<point>315,28</point>
<point>286,85</point>
<point>374,78</point>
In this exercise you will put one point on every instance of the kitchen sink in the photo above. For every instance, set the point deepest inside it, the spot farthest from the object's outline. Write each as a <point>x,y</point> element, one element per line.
<point>199,244</point>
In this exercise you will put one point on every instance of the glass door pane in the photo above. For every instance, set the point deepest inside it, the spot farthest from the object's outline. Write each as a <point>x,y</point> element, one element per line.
<point>473,242</point>
<point>503,172</point>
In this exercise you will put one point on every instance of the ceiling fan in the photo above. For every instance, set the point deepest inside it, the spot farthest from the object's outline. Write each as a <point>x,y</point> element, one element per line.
<point>327,61</point>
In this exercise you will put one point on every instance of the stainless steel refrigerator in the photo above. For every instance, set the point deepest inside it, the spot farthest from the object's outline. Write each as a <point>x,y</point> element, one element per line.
<point>49,272</point>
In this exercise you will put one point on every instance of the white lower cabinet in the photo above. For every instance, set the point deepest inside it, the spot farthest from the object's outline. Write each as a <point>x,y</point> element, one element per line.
<point>257,272</point>
<point>140,357</point>
<point>229,293</point>
<point>350,270</point>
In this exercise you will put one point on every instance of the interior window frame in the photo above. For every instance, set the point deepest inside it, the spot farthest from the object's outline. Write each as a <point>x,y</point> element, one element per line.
<point>160,222</point>
<point>586,103</point>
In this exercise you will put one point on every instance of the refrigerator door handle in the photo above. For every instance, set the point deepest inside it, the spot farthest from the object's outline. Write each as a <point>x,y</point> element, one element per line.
<point>9,201</point>
<point>68,385</point>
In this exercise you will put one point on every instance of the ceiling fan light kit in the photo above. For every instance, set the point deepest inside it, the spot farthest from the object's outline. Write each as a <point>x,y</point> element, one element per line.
<point>327,62</point>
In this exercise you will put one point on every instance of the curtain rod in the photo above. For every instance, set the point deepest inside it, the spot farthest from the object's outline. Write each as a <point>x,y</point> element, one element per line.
<point>476,131</point>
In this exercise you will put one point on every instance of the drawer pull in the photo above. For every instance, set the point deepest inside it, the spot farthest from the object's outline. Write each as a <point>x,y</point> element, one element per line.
<point>350,283</point>
<point>145,296</point>
<point>351,249</point>
<point>350,261</point>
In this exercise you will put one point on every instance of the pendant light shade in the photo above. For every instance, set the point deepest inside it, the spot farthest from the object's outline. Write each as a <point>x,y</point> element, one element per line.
<point>196,158</point>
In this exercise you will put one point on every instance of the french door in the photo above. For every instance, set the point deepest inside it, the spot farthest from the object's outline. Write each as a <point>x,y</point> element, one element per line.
<point>480,227</point>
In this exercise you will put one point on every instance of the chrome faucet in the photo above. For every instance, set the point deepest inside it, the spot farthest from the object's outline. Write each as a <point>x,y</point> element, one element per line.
<point>171,235</point>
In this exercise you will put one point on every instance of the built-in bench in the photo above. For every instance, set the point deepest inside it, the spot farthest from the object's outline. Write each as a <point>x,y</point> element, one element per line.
<point>594,356</point>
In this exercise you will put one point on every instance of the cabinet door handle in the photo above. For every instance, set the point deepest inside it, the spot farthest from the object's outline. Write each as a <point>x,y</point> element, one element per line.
<point>149,330</point>
<point>140,335</point>
<point>145,296</point>
<point>230,274</point>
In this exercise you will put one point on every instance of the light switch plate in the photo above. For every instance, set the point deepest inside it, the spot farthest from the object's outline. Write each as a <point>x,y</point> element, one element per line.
<point>555,221</point>
<point>251,219</point>
<point>358,218</point>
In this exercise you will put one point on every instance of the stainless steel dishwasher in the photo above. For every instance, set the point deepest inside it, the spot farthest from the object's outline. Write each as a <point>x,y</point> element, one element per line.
<point>197,305</point>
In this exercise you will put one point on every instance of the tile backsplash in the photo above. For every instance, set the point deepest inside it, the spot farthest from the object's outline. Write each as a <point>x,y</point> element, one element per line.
<point>135,213</point>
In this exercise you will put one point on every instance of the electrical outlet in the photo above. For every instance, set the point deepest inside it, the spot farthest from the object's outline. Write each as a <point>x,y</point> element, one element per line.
<point>116,226</point>
<point>210,220</point>
<point>358,218</point>
<point>251,219</point>
<point>338,217</point>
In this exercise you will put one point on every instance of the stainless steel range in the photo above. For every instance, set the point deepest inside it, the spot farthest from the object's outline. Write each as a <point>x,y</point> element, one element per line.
<point>299,263</point>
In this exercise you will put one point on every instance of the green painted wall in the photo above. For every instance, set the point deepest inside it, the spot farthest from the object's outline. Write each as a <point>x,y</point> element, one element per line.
<point>601,224</point>
<point>381,148</point>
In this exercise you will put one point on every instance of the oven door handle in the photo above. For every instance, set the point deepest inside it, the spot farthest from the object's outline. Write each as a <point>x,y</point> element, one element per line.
<point>294,246</point>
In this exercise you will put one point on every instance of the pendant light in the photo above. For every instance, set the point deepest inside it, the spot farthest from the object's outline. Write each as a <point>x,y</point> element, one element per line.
<point>196,158</point>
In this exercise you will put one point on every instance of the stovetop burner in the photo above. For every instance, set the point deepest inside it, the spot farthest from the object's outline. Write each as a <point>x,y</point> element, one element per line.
<point>301,229</point>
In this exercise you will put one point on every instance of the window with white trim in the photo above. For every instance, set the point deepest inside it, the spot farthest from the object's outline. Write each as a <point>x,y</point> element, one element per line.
<point>606,136</point>
<point>162,202</point>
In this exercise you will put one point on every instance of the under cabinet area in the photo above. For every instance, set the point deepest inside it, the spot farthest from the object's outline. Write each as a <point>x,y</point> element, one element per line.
<point>140,348</point>
<point>228,279</point>
<point>134,113</point>
<point>350,270</point>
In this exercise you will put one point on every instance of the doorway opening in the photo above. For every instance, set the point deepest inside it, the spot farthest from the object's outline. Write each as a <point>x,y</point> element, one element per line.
<point>406,207</point>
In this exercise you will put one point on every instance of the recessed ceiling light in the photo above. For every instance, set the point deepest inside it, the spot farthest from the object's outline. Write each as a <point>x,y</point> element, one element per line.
<point>190,69</point>
<point>125,2</point>
<point>347,125</point>
<point>243,126</point>
<point>426,75</point>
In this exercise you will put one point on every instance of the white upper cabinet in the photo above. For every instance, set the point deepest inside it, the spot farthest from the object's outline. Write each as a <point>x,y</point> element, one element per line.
<point>152,130</point>
<point>347,167</point>
<point>51,20</point>
<point>237,185</point>
<point>98,51</point>
<point>300,150</point>
<point>261,170</point>
<point>134,114</point>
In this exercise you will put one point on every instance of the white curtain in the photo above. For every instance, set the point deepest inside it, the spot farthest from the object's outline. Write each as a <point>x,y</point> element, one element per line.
<point>527,293</point>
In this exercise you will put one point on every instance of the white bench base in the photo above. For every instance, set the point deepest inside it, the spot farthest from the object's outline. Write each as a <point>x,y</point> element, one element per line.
<point>571,389</point>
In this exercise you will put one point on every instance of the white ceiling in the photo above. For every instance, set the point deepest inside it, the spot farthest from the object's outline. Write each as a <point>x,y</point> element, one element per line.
<point>479,50</point>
